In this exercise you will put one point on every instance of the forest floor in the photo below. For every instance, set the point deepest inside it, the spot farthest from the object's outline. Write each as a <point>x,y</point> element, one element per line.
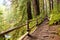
<point>44,32</point>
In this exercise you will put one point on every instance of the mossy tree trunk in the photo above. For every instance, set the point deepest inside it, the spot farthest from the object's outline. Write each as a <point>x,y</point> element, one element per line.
<point>58,5</point>
<point>51,4</point>
<point>36,7</point>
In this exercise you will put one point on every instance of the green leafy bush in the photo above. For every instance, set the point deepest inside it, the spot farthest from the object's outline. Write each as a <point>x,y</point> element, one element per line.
<point>54,17</point>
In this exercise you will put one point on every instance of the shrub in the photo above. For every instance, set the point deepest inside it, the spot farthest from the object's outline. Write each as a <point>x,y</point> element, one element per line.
<point>54,17</point>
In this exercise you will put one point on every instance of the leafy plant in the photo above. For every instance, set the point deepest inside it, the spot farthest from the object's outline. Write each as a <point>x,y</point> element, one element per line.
<point>54,17</point>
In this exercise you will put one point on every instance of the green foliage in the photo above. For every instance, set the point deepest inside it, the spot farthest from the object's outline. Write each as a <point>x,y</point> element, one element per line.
<point>1,38</point>
<point>0,12</point>
<point>54,17</point>
<point>58,30</point>
<point>17,16</point>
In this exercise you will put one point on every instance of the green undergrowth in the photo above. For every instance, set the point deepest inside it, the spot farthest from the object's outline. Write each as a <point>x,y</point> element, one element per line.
<point>21,31</point>
<point>54,17</point>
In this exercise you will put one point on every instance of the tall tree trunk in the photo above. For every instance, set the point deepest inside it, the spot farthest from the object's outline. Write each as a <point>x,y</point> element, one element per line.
<point>51,4</point>
<point>29,10</point>
<point>58,5</point>
<point>45,8</point>
<point>38,10</point>
<point>58,1</point>
<point>36,7</point>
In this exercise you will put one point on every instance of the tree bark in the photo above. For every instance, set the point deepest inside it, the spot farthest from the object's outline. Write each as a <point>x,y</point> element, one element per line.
<point>51,4</point>
<point>58,5</point>
<point>36,7</point>
<point>29,10</point>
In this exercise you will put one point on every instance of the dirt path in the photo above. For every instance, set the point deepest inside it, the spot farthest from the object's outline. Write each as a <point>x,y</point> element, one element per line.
<point>44,32</point>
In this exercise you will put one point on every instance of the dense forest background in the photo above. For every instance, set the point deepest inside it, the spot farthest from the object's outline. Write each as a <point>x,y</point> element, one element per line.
<point>14,13</point>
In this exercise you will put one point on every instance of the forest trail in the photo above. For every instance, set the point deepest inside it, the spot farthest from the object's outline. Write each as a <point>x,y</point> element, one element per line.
<point>44,32</point>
